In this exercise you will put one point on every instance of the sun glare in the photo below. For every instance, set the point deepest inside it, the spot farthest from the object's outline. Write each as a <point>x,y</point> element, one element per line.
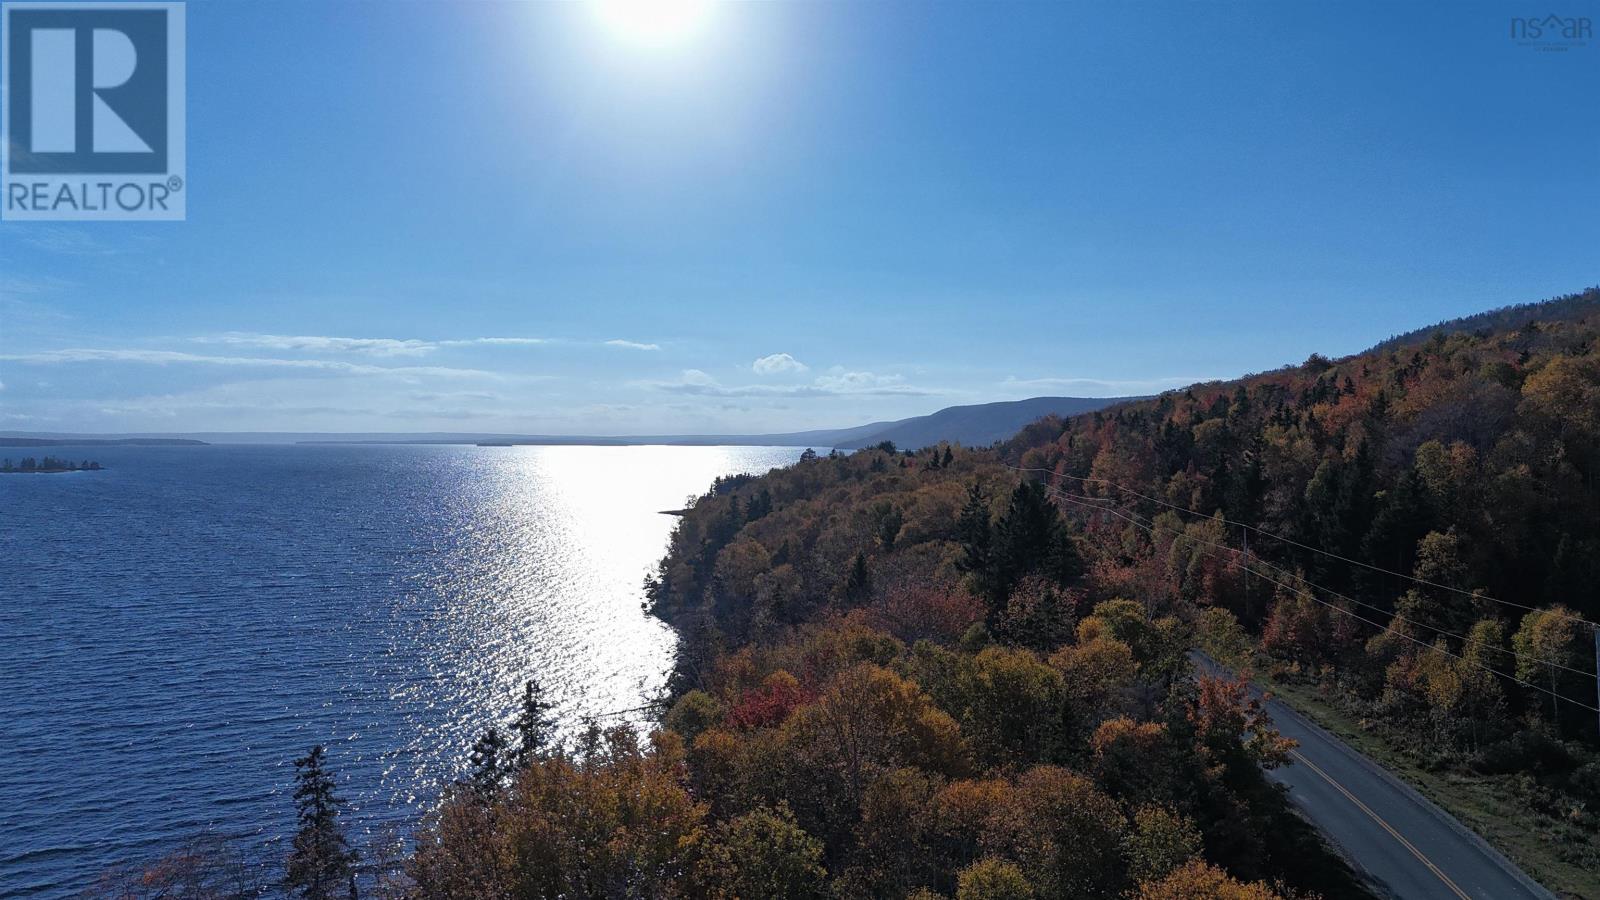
<point>653,23</point>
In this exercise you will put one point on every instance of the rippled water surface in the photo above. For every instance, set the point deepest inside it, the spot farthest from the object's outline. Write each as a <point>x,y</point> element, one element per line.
<point>175,629</point>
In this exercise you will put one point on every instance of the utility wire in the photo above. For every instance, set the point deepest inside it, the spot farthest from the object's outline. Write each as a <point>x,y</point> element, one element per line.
<point>1394,616</point>
<point>1291,541</point>
<point>1152,529</point>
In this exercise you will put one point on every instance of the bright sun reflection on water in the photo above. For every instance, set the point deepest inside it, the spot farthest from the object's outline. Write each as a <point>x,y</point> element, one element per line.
<point>543,578</point>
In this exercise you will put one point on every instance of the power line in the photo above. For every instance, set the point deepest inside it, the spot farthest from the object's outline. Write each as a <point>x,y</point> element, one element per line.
<point>1069,498</point>
<point>1393,615</point>
<point>1291,541</point>
<point>1119,514</point>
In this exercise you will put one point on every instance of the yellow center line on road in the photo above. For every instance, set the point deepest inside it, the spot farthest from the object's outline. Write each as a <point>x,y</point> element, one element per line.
<point>1299,757</point>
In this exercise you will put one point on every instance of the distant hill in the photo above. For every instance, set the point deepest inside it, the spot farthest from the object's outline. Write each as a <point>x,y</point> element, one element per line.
<point>979,425</point>
<point>970,426</point>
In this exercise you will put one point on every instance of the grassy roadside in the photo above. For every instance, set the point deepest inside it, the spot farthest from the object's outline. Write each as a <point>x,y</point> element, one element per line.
<point>1486,804</point>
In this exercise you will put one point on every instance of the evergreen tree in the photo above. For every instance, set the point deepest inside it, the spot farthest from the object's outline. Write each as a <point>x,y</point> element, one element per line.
<point>889,522</point>
<point>858,585</point>
<point>1031,537</point>
<point>760,505</point>
<point>534,725</point>
<point>977,538</point>
<point>1405,514</point>
<point>488,763</point>
<point>322,860</point>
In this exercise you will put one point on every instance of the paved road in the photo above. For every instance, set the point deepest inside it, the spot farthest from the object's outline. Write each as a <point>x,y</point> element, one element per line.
<point>1404,844</point>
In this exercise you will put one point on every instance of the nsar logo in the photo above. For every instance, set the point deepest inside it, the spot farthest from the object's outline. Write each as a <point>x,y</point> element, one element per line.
<point>94,111</point>
<point>1552,32</point>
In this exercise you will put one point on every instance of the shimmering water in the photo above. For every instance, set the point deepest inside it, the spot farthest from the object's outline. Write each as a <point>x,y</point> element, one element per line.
<point>175,629</point>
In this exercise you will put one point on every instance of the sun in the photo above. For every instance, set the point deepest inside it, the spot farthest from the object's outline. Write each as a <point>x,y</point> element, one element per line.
<point>653,23</point>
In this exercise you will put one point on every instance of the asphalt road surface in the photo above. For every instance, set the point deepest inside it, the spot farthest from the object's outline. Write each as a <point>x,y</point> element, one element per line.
<point>1405,845</point>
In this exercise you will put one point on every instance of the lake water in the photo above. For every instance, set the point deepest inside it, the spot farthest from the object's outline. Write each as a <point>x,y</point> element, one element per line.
<point>176,629</point>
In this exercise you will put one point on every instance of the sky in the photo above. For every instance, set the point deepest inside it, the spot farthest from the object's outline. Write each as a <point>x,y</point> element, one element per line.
<point>548,219</point>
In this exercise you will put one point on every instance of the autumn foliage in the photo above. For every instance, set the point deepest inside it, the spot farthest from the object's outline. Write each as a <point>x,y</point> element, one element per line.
<point>966,673</point>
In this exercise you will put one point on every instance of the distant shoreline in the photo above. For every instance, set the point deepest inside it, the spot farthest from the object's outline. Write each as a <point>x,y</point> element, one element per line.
<point>100,442</point>
<point>977,425</point>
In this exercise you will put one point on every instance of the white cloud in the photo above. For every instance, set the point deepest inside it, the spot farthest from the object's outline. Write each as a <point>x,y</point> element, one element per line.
<point>778,364</point>
<point>632,345</point>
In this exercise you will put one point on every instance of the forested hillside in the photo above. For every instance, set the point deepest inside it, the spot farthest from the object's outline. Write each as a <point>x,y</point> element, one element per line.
<point>963,672</point>
<point>895,683</point>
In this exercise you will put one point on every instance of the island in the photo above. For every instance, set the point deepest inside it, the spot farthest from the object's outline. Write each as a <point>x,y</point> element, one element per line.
<point>29,465</point>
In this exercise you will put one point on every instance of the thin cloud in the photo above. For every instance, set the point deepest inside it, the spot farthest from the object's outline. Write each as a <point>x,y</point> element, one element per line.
<point>321,343</point>
<point>169,406</point>
<point>384,347</point>
<point>66,241</point>
<point>1104,385</point>
<point>697,383</point>
<point>779,364</point>
<point>497,342</point>
<point>172,357</point>
<point>454,396</point>
<point>310,343</point>
<point>862,383</point>
<point>13,285</point>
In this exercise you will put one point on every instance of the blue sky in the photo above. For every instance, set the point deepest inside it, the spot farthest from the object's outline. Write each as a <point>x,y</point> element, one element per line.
<point>512,217</point>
